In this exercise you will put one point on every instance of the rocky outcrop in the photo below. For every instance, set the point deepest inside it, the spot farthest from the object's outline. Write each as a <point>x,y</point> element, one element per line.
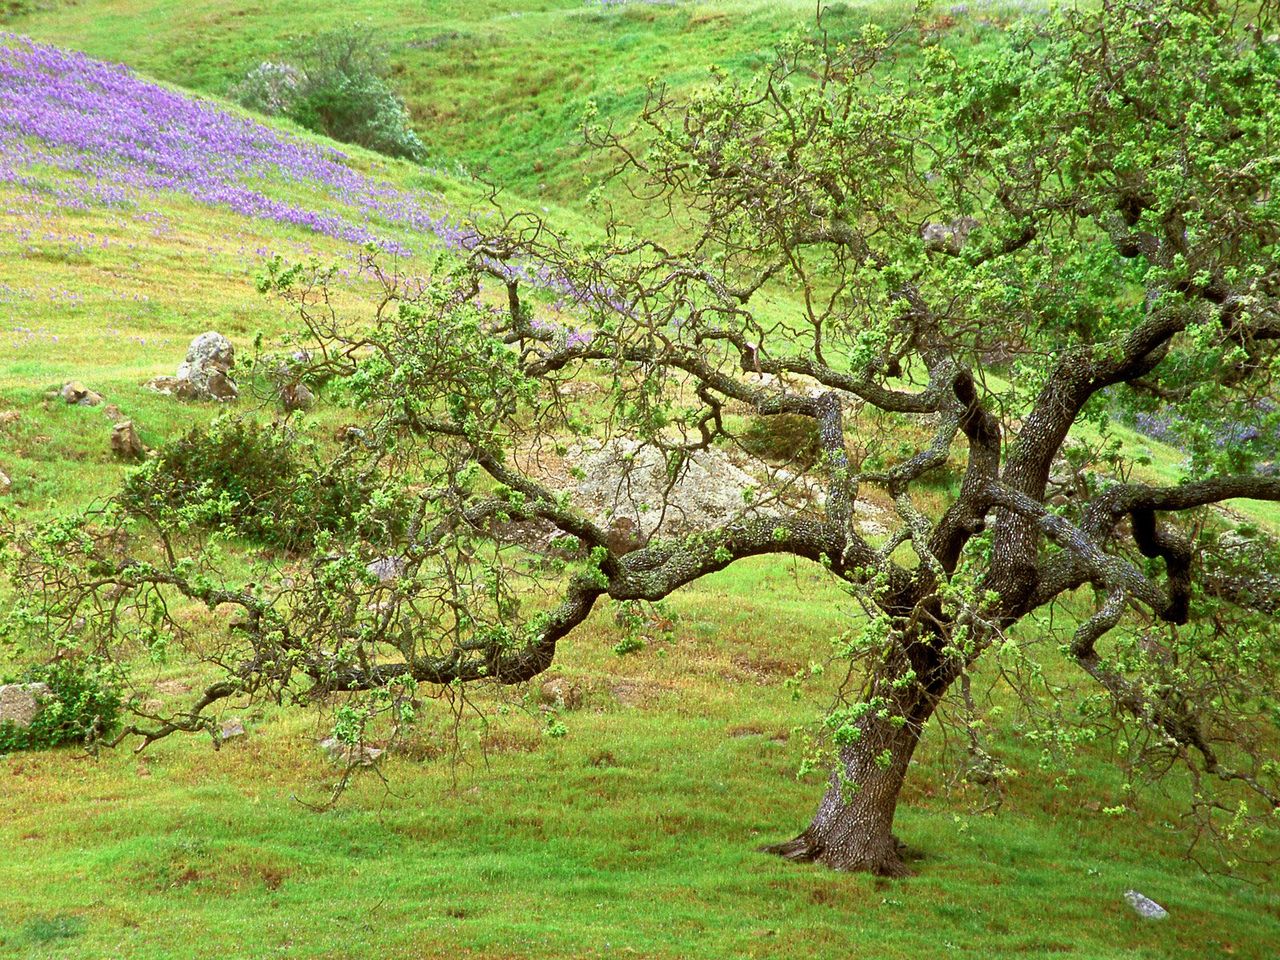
<point>205,374</point>
<point>630,486</point>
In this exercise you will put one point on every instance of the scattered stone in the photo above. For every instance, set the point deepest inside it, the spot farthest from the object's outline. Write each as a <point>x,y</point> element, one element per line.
<point>20,703</point>
<point>348,434</point>
<point>296,396</point>
<point>77,394</point>
<point>562,693</point>
<point>113,413</point>
<point>233,728</point>
<point>205,374</point>
<point>9,418</point>
<point>948,237</point>
<point>386,568</point>
<point>6,484</point>
<point>1144,907</point>
<point>125,442</point>
<point>351,756</point>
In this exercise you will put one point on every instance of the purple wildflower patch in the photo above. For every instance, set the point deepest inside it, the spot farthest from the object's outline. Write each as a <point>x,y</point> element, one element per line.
<point>116,138</point>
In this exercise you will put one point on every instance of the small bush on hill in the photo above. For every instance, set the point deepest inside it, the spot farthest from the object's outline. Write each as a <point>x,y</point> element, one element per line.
<point>83,706</point>
<point>264,483</point>
<point>335,83</point>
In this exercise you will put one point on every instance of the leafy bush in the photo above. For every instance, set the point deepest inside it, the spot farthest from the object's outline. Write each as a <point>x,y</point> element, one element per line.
<point>83,706</point>
<point>787,437</point>
<point>335,83</point>
<point>261,481</point>
<point>270,88</point>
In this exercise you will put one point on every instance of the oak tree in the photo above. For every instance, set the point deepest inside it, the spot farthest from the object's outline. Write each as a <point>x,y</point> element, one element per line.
<point>952,267</point>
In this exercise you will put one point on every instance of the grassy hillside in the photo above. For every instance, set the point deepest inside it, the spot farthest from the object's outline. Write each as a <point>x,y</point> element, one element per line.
<point>497,87</point>
<point>635,834</point>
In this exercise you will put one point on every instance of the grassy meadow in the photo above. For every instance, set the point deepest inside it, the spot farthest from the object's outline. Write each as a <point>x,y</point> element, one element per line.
<point>636,833</point>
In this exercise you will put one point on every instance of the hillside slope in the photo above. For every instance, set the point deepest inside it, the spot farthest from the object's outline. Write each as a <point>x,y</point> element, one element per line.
<point>495,86</point>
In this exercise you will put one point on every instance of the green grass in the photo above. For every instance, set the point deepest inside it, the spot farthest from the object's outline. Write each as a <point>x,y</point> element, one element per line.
<point>634,835</point>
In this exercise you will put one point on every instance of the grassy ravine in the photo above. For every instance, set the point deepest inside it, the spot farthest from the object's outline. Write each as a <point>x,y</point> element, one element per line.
<point>635,835</point>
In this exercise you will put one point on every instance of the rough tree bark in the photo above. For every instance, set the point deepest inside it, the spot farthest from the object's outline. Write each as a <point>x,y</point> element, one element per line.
<point>853,826</point>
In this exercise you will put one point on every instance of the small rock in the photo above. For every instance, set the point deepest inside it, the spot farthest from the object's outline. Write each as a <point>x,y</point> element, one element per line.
<point>20,703</point>
<point>233,728</point>
<point>125,443</point>
<point>348,434</point>
<point>562,693</point>
<point>948,237</point>
<point>9,418</point>
<point>1145,907</point>
<point>624,536</point>
<point>386,568</point>
<point>345,753</point>
<point>6,484</point>
<point>296,396</point>
<point>113,413</point>
<point>76,393</point>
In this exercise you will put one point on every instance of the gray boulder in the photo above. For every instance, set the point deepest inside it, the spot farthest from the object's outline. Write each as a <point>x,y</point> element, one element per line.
<point>627,486</point>
<point>205,374</point>
<point>77,394</point>
<point>20,703</point>
<point>1145,907</point>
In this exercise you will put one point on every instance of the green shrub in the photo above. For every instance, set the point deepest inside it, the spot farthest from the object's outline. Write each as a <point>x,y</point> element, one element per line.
<point>83,706</point>
<point>264,482</point>
<point>335,83</point>
<point>786,437</point>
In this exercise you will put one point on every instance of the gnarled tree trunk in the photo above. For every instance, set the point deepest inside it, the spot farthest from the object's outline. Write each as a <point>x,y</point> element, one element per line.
<point>853,827</point>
